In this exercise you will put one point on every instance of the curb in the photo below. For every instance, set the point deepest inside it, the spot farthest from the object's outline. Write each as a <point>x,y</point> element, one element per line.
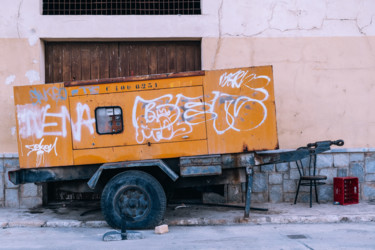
<point>55,224</point>
<point>275,220</point>
<point>201,221</point>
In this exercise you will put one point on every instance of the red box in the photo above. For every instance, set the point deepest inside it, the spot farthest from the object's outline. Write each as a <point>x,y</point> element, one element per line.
<point>345,190</point>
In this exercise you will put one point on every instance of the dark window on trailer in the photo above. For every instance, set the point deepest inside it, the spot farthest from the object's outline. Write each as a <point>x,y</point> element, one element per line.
<point>121,7</point>
<point>108,120</point>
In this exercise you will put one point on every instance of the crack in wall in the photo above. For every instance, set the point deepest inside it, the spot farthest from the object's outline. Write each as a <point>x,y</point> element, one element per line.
<point>219,42</point>
<point>298,28</point>
<point>303,21</point>
<point>364,26</point>
<point>18,18</point>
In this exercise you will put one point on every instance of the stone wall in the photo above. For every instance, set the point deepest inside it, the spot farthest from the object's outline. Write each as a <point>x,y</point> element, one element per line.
<point>16,196</point>
<point>278,182</point>
<point>272,183</point>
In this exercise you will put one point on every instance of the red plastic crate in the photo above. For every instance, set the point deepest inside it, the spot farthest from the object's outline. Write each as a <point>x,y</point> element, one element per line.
<point>345,190</point>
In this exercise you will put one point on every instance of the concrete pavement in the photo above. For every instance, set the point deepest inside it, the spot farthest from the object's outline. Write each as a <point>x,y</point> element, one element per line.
<point>88,214</point>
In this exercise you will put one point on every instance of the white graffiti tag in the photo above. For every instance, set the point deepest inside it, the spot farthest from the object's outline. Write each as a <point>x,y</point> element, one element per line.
<point>169,116</point>
<point>242,78</point>
<point>40,150</point>
<point>166,117</point>
<point>238,113</point>
<point>81,110</point>
<point>37,121</point>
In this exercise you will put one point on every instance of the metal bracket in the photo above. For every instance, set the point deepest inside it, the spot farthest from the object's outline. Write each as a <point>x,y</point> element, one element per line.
<point>132,164</point>
<point>249,172</point>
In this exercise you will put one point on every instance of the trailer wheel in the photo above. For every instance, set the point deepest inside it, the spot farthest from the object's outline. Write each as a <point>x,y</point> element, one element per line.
<point>134,194</point>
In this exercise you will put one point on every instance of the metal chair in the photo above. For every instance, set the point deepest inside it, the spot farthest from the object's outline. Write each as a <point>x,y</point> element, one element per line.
<point>307,172</point>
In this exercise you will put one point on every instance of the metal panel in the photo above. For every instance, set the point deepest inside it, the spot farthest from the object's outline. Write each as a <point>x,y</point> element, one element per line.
<point>150,116</point>
<point>135,83</point>
<point>132,164</point>
<point>240,110</point>
<point>64,173</point>
<point>228,176</point>
<point>200,160</point>
<point>190,171</point>
<point>43,126</point>
<point>200,165</point>
<point>136,152</point>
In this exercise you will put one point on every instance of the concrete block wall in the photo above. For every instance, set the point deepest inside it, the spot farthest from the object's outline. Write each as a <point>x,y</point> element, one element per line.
<point>278,182</point>
<point>16,196</point>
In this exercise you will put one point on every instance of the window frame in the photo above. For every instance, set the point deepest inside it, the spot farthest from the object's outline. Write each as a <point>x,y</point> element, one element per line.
<point>122,120</point>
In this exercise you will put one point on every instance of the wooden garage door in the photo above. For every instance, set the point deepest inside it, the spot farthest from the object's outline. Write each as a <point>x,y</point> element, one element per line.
<point>67,61</point>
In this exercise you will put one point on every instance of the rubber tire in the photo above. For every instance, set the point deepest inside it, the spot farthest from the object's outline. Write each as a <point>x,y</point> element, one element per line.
<point>156,201</point>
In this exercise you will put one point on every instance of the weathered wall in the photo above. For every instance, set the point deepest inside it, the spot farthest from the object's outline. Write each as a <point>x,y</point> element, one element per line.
<point>18,196</point>
<point>19,65</point>
<point>322,52</point>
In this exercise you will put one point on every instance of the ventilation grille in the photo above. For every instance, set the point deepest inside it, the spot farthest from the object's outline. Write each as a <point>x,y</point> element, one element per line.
<point>125,7</point>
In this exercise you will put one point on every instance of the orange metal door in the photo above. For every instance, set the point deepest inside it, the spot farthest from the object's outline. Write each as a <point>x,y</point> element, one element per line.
<point>240,110</point>
<point>43,126</point>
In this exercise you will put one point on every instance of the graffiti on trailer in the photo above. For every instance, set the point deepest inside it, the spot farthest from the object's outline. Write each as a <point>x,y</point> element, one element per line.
<point>161,118</point>
<point>241,78</point>
<point>93,90</point>
<point>33,121</point>
<point>169,116</point>
<point>54,93</point>
<point>165,117</point>
<point>40,150</point>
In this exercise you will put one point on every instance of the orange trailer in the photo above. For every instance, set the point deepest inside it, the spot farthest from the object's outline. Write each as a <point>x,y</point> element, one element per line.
<point>128,135</point>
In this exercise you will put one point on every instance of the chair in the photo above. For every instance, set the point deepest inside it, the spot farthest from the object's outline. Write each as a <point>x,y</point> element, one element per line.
<point>307,171</point>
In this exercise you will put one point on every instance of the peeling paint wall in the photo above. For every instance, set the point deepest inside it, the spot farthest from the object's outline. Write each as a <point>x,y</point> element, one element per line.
<point>16,68</point>
<point>322,52</point>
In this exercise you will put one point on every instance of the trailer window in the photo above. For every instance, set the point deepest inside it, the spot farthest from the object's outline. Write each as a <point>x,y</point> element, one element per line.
<point>108,120</point>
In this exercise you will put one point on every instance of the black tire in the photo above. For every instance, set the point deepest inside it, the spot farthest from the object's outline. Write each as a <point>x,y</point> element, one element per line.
<point>136,194</point>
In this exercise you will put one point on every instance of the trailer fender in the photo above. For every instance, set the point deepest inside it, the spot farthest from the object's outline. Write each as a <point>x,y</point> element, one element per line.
<point>132,164</point>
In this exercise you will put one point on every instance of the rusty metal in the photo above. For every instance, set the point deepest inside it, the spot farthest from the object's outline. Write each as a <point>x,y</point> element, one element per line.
<point>219,205</point>
<point>65,173</point>
<point>133,78</point>
<point>200,165</point>
<point>190,171</point>
<point>263,158</point>
<point>228,176</point>
<point>204,160</point>
<point>249,172</point>
<point>132,164</point>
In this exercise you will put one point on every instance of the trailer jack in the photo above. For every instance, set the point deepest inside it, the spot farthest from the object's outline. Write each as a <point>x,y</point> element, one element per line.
<point>123,234</point>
